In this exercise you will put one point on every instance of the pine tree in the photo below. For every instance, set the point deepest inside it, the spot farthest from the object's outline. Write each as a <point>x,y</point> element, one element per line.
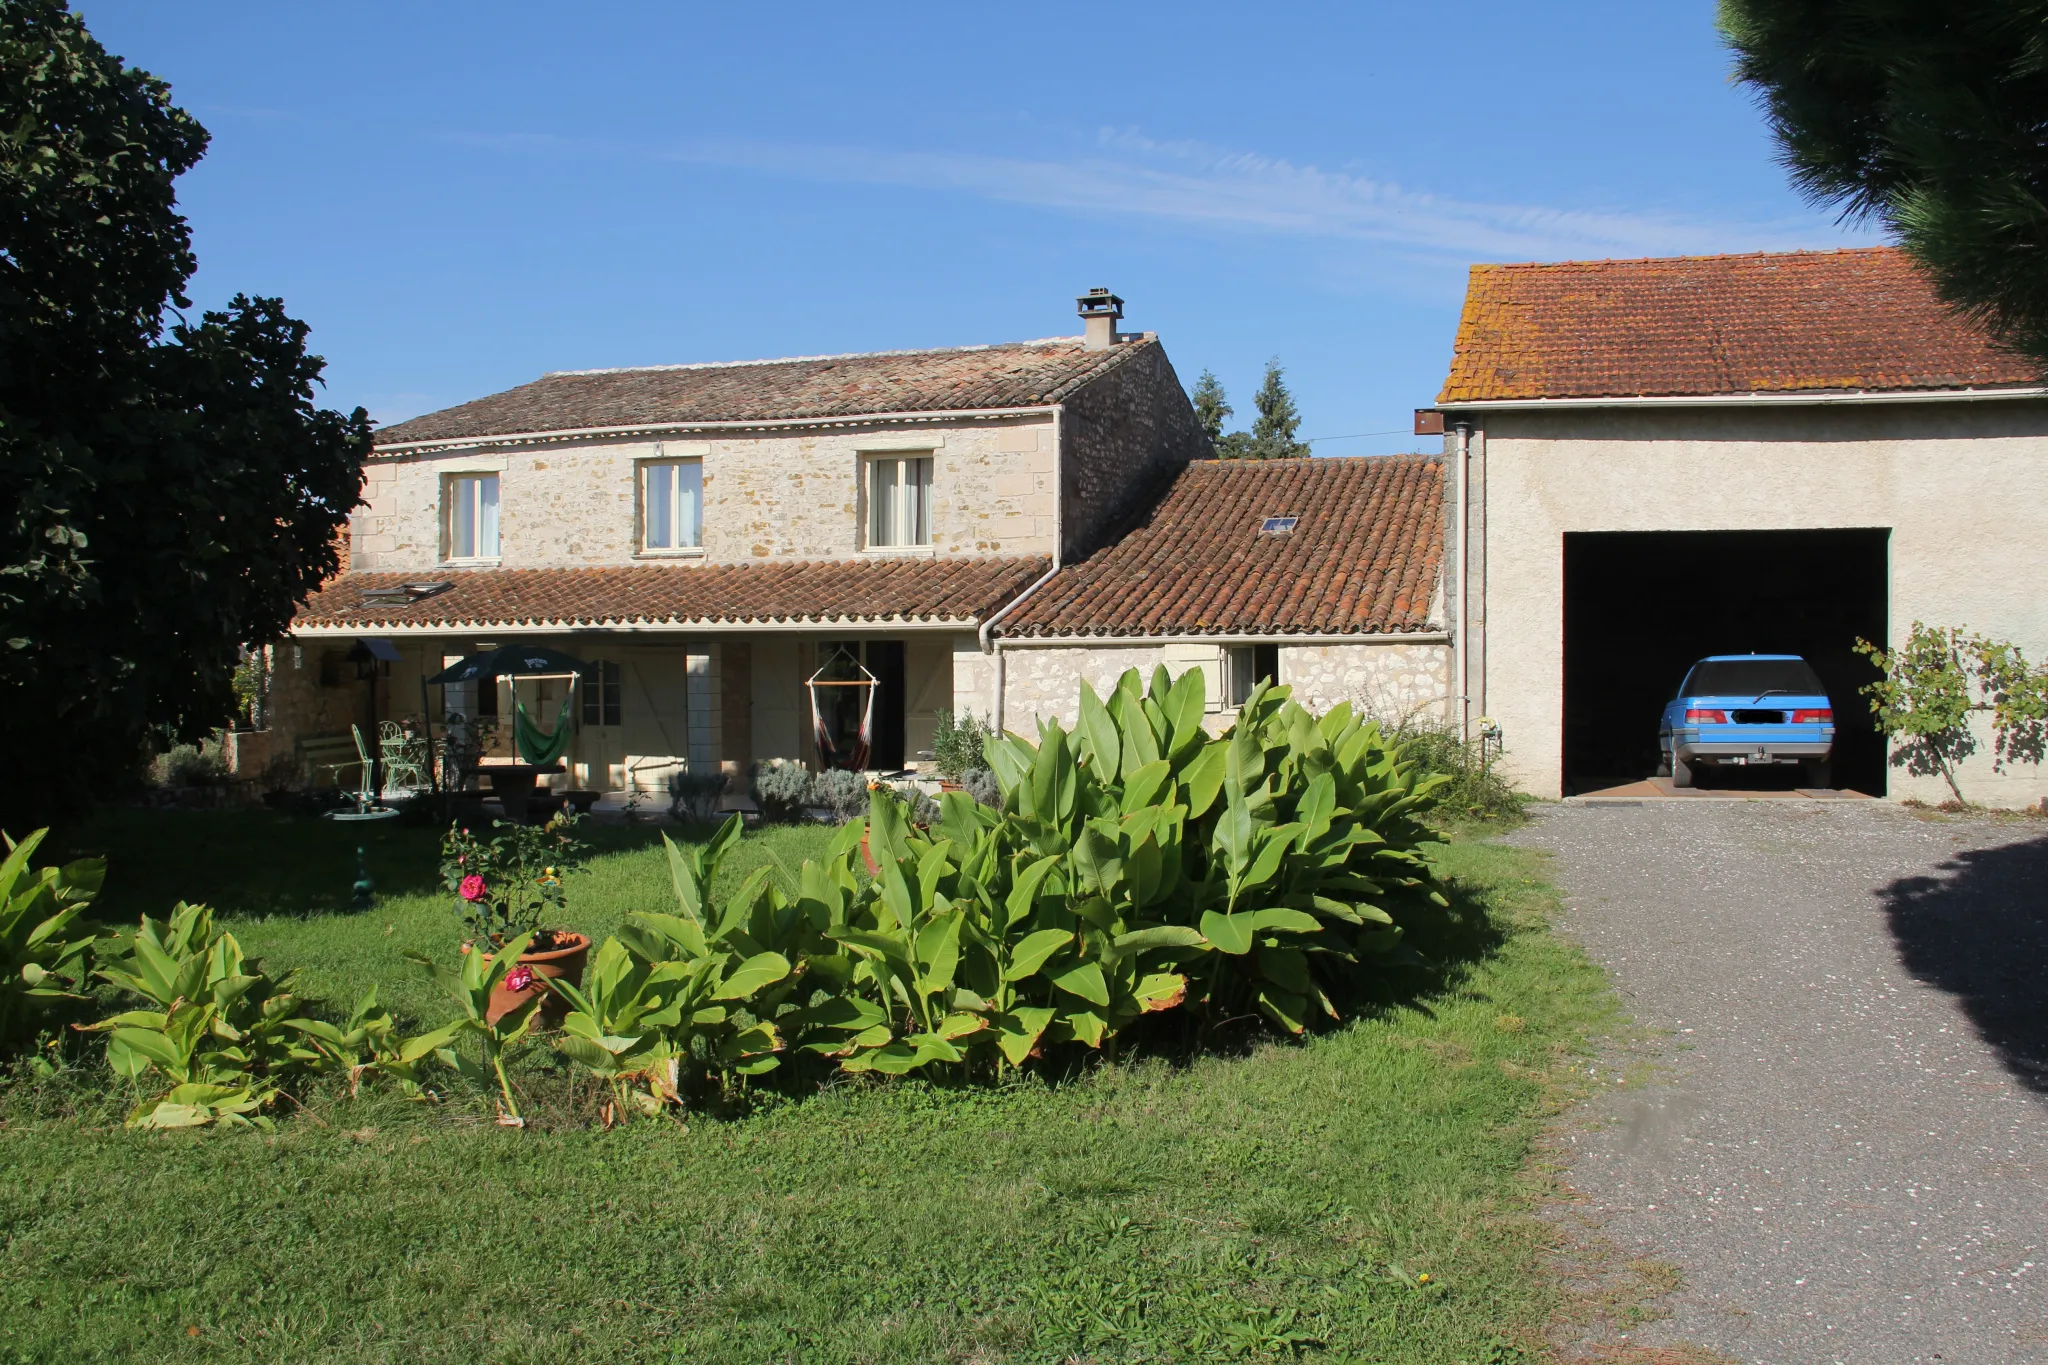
<point>1212,409</point>
<point>1273,430</point>
<point>1925,118</point>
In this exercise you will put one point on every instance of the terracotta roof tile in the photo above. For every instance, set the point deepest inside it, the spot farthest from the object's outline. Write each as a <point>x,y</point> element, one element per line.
<point>1015,375</point>
<point>948,589</point>
<point>1701,325</point>
<point>1362,558</point>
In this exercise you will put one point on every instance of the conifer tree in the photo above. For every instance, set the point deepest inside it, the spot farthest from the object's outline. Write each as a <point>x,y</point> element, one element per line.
<point>1278,420</point>
<point>1212,409</point>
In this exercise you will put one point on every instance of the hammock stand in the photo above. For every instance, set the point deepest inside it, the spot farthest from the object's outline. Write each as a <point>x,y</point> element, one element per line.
<point>828,752</point>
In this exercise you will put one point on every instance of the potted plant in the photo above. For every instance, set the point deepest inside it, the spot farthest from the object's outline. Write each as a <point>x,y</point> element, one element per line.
<point>505,887</point>
<point>957,748</point>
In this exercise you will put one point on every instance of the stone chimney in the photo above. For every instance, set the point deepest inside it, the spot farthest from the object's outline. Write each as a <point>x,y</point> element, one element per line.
<point>1099,311</point>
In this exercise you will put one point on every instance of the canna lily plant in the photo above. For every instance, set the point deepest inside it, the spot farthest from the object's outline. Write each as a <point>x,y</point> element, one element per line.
<point>471,983</point>
<point>46,941</point>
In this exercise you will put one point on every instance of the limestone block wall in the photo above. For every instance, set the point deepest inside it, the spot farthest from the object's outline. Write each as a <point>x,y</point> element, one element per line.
<point>1390,682</point>
<point>1125,436</point>
<point>767,495</point>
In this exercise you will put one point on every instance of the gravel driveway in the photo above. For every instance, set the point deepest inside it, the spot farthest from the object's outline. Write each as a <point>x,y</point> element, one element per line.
<point>1847,1153</point>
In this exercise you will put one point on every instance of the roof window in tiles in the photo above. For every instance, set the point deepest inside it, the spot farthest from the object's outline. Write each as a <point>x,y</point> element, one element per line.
<point>1278,526</point>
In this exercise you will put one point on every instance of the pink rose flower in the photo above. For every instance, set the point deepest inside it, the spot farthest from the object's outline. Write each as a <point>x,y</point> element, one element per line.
<point>472,888</point>
<point>518,979</point>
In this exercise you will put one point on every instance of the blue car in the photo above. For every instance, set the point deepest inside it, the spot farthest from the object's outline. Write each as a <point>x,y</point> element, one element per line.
<point>1749,710</point>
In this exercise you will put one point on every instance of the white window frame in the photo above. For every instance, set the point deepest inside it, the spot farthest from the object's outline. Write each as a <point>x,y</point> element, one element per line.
<point>898,519</point>
<point>484,513</point>
<point>646,500</point>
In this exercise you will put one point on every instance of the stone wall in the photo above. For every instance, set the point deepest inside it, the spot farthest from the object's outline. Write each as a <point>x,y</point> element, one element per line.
<point>1125,435</point>
<point>766,496</point>
<point>1389,680</point>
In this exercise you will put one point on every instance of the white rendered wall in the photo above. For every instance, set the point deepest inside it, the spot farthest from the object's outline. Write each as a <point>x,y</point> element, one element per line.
<point>1963,488</point>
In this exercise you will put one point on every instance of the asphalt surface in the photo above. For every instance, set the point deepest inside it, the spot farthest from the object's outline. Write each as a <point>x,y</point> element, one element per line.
<point>1845,1148</point>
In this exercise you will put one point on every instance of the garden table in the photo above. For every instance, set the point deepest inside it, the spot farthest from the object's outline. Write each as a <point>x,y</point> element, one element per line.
<point>512,783</point>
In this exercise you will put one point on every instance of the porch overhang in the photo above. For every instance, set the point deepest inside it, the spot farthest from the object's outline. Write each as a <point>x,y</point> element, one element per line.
<point>937,593</point>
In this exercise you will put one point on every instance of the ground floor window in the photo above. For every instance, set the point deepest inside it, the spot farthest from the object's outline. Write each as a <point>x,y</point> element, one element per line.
<point>1245,667</point>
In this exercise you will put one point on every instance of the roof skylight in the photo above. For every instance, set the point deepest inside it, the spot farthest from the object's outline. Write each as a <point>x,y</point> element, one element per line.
<point>1278,526</point>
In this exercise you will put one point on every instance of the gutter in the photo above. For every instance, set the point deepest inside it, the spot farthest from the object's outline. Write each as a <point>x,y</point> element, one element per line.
<point>664,428</point>
<point>1386,637</point>
<point>855,623</point>
<point>1739,400</point>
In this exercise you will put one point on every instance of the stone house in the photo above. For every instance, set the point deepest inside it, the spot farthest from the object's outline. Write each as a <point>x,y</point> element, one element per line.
<point>711,537</point>
<point>978,529</point>
<point>1655,460</point>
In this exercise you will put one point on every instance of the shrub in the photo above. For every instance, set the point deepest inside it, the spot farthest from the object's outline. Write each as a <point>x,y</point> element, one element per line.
<point>506,885</point>
<point>695,796</point>
<point>843,793</point>
<point>190,765</point>
<point>981,784</point>
<point>959,744</point>
<point>781,788</point>
<point>1474,790</point>
<point>46,941</point>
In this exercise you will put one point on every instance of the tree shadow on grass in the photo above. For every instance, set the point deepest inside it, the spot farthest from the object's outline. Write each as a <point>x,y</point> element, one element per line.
<point>1981,934</point>
<point>244,863</point>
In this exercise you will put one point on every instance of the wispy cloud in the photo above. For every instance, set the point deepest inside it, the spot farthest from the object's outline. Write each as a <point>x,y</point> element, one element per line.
<point>1124,173</point>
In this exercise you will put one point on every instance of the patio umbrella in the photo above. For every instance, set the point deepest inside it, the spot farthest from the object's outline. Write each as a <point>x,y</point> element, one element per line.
<point>512,661</point>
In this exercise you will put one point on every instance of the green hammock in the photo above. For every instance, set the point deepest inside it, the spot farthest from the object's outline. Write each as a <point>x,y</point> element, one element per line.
<point>535,746</point>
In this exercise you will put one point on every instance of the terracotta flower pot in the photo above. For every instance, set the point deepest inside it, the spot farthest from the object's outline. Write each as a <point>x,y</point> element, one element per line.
<point>874,869</point>
<point>564,961</point>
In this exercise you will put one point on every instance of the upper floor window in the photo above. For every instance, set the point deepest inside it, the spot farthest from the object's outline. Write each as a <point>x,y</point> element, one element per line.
<point>672,505</point>
<point>473,516</point>
<point>900,501</point>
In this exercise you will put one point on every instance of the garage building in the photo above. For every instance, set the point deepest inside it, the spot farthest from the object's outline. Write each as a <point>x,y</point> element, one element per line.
<point>1651,461</point>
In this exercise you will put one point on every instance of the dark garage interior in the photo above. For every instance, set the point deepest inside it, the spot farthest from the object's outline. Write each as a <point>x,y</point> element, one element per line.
<point>1641,606</point>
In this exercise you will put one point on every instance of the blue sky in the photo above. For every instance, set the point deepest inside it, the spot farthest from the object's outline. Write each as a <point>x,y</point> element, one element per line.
<point>459,197</point>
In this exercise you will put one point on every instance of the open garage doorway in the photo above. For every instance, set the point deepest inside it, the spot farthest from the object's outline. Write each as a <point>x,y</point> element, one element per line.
<point>1641,606</point>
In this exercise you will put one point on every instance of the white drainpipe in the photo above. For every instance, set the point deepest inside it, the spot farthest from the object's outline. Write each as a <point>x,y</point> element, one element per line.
<point>1461,528</point>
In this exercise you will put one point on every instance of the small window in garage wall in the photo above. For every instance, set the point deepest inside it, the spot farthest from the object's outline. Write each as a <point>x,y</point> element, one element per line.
<point>603,693</point>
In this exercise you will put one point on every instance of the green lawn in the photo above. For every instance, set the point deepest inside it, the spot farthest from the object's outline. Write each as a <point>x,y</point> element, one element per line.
<point>1283,1203</point>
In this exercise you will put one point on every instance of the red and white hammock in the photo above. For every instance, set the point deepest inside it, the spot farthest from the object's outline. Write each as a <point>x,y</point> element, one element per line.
<point>828,752</point>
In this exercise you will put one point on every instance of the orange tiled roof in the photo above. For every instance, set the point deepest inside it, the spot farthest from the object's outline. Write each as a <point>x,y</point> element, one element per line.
<point>1361,559</point>
<point>1707,325</point>
<point>940,589</point>
<point>1015,375</point>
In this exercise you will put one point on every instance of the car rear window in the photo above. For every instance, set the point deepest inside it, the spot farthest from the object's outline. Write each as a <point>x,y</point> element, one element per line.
<point>1752,677</point>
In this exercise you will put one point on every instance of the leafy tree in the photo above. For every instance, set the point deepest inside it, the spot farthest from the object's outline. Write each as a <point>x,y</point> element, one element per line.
<point>1272,433</point>
<point>1212,409</point>
<point>1926,118</point>
<point>170,488</point>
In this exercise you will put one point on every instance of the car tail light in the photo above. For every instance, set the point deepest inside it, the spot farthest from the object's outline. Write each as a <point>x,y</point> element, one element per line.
<point>1821,717</point>
<point>1706,717</point>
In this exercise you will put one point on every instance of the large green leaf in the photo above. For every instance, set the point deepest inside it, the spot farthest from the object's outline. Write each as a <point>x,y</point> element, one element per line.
<point>1032,951</point>
<point>1099,737</point>
<point>1018,1031</point>
<point>764,969</point>
<point>1228,933</point>
<point>1084,980</point>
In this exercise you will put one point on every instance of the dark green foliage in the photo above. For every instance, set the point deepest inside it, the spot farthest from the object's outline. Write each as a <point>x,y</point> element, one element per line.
<point>695,796</point>
<point>1926,118</point>
<point>169,494</point>
<point>1212,409</point>
<point>46,940</point>
<point>1272,436</point>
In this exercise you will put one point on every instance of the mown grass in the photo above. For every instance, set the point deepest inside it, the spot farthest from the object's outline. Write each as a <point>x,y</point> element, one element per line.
<point>1283,1203</point>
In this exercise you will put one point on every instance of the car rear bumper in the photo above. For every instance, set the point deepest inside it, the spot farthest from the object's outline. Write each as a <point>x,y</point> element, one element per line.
<point>1761,749</point>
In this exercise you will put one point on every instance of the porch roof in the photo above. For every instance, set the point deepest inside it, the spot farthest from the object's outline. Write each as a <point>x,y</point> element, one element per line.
<point>931,591</point>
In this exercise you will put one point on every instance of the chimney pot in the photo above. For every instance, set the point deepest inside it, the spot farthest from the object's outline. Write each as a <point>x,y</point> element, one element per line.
<point>1100,311</point>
